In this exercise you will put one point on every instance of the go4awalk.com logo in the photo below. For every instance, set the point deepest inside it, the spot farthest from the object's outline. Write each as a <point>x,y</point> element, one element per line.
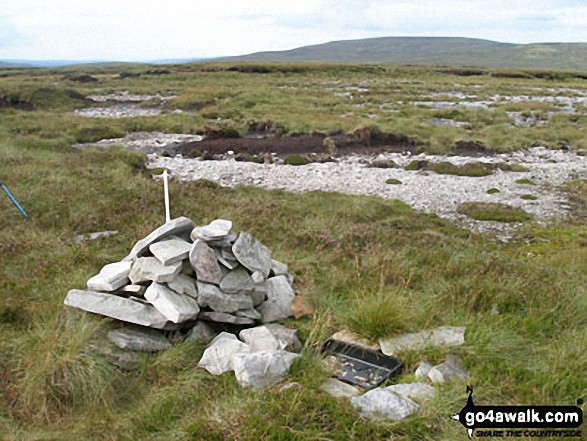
<point>521,421</point>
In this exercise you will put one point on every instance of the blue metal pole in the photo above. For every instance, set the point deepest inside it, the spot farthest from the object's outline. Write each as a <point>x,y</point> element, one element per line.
<point>13,200</point>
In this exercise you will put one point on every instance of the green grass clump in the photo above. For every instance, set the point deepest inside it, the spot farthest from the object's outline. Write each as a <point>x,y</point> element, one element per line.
<point>296,160</point>
<point>529,197</point>
<point>472,169</point>
<point>393,181</point>
<point>493,191</point>
<point>525,181</point>
<point>416,165</point>
<point>490,211</point>
<point>383,163</point>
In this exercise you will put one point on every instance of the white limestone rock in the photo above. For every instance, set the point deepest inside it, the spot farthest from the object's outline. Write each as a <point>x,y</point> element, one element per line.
<point>224,317</point>
<point>215,230</point>
<point>210,295</point>
<point>137,290</point>
<point>252,254</point>
<point>170,250</point>
<point>451,369</point>
<point>176,307</point>
<point>180,227</point>
<point>111,277</point>
<point>237,281</point>
<point>448,336</point>
<point>149,268</point>
<point>414,391</point>
<point>384,404</point>
<point>262,369</point>
<point>422,370</point>
<point>338,389</point>
<point>278,268</point>
<point>279,298</point>
<point>184,284</point>
<point>219,356</point>
<point>116,307</point>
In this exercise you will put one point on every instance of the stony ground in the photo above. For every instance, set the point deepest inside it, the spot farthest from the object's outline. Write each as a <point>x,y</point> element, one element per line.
<point>423,190</point>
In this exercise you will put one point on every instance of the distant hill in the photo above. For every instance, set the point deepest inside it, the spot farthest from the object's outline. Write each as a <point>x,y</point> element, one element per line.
<point>4,64</point>
<point>437,51</point>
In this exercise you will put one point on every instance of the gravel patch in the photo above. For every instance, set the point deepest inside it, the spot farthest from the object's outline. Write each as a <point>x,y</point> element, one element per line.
<point>423,190</point>
<point>145,141</point>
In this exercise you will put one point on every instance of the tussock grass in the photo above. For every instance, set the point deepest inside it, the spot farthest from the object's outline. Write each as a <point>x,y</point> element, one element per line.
<point>492,211</point>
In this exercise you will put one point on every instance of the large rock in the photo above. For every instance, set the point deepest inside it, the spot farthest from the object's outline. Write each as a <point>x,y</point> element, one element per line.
<point>149,268</point>
<point>181,227</point>
<point>252,254</point>
<point>210,295</point>
<point>135,339</point>
<point>201,332</point>
<point>219,356</point>
<point>170,250</point>
<point>237,281</point>
<point>203,260</point>
<point>176,307</point>
<point>260,339</point>
<point>354,339</point>
<point>413,391</point>
<point>137,290</point>
<point>184,284</point>
<point>262,369</point>
<point>384,404</point>
<point>223,317</point>
<point>116,307</point>
<point>279,298</point>
<point>287,337</point>
<point>111,277</point>
<point>442,336</point>
<point>278,268</point>
<point>338,389</point>
<point>423,370</point>
<point>216,230</point>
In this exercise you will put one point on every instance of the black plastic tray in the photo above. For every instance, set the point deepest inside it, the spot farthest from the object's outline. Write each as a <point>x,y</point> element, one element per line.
<point>360,366</point>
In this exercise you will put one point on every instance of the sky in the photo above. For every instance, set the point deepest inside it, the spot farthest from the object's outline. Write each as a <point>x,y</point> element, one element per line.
<point>147,30</point>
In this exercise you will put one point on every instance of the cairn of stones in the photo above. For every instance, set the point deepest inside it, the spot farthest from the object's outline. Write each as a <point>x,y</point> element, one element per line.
<point>182,274</point>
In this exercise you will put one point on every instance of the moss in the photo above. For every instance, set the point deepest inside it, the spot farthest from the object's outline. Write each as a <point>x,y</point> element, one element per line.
<point>493,191</point>
<point>488,211</point>
<point>393,181</point>
<point>416,165</point>
<point>529,197</point>
<point>525,182</point>
<point>296,160</point>
<point>383,163</point>
<point>472,169</point>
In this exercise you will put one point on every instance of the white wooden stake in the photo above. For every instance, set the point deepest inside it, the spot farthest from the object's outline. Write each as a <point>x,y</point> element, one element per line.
<point>166,191</point>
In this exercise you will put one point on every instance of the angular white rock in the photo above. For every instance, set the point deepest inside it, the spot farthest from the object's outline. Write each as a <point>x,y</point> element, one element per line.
<point>111,277</point>
<point>210,295</point>
<point>184,284</point>
<point>116,307</point>
<point>260,339</point>
<point>138,290</point>
<point>338,389</point>
<point>171,250</point>
<point>287,337</point>
<point>252,254</point>
<point>219,356</point>
<point>451,369</point>
<point>422,370</point>
<point>224,317</point>
<point>262,369</point>
<point>442,336</point>
<point>145,340</point>
<point>215,230</point>
<point>176,307</point>
<point>149,268</point>
<point>278,268</point>
<point>237,281</point>
<point>181,227</point>
<point>413,391</point>
<point>279,298</point>
<point>381,404</point>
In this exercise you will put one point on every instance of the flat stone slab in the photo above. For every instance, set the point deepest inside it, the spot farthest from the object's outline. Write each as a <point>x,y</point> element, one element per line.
<point>149,268</point>
<point>278,268</point>
<point>237,281</point>
<point>210,295</point>
<point>116,307</point>
<point>354,339</point>
<point>203,260</point>
<point>448,336</point>
<point>184,284</point>
<point>384,404</point>
<point>170,250</point>
<point>252,254</point>
<point>279,298</point>
<point>182,226</point>
<point>413,391</point>
<point>219,356</point>
<point>262,369</point>
<point>338,389</point>
<point>215,230</point>
<point>223,317</point>
<point>248,313</point>
<point>451,369</point>
<point>176,307</point>
<point>144,340</point>
<point>111,277</point>
<point>138,290</point>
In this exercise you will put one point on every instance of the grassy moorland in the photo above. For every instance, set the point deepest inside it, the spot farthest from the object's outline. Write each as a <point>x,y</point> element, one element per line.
<point>373,266</point>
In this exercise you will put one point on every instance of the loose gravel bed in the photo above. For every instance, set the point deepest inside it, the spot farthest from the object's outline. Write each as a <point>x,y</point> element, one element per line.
<point>423,190</point>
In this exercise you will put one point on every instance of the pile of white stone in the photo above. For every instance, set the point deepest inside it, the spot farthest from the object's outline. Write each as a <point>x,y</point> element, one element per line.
<point>181,274</point>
